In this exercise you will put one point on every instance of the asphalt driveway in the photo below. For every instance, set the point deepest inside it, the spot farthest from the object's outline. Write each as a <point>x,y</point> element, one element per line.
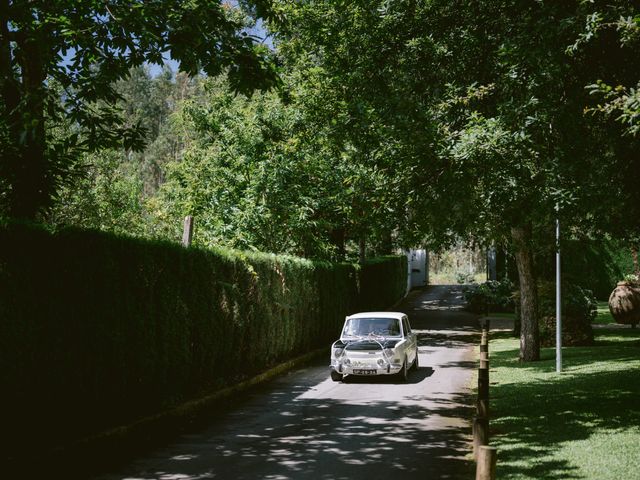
<point>304,426</point>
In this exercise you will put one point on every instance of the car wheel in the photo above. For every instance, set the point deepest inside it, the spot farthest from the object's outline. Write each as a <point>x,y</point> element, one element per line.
<point>335,376</point>
<point>416,362</point>
<point>403,374</point>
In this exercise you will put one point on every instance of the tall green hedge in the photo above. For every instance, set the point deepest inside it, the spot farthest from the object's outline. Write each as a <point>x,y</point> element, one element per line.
<point>98,330</point>
<point>383,281</point>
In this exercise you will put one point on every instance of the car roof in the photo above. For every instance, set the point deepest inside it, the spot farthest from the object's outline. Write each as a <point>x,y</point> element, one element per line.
<point>397,315</point>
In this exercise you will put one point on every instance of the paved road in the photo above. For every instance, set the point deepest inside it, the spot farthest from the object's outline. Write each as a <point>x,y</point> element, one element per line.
<point>304,426</point>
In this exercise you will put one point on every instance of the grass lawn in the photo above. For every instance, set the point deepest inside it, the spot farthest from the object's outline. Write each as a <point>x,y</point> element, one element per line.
<point>604,315</point>
<point>581,424</point>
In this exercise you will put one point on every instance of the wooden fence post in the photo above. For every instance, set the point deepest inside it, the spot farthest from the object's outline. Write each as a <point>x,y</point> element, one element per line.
<point>486,463</point>
<point>484,362</point>
<point>485,456</point>
<point>484,339</point>
<point>480,434</point>
<point>187,231</point>
<point>483,392</point>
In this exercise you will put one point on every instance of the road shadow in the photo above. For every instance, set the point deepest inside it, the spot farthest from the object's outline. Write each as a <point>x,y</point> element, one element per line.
<point>438,307</point>
<point>317,438</point>
<point>323,439</point>
<point>414,376</point>
<point>459,338</point>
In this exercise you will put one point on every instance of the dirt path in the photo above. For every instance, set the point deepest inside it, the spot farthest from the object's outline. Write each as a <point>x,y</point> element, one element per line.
<point>304,426</point>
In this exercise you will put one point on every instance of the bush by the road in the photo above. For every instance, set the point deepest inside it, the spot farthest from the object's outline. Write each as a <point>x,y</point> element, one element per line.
<point>579,310</point>
<point>99,330</point>
<point>495,295</point>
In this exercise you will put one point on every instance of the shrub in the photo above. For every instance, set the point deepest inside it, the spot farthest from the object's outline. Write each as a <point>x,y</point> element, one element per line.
<point>495,296</point>
<point>579,309</point>
<point>632,279</point>
<point>465,277</point>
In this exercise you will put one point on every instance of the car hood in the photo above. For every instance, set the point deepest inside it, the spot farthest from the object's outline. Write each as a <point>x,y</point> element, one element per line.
<point>354,345</point>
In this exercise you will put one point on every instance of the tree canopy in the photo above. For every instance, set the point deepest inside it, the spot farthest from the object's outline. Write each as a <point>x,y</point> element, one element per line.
<point>487,102</point>
<point>395,123</point>
<point>60,62</point>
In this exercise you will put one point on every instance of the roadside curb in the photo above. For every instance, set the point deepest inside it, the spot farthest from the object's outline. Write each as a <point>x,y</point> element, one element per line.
<point>122,442</point>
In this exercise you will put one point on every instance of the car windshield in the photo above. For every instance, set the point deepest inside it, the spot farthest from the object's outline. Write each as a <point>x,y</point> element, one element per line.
<point>356,327</point>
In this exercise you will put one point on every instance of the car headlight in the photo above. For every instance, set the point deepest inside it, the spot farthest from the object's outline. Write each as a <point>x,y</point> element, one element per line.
<point>389,352</point>
<point>337,352</point>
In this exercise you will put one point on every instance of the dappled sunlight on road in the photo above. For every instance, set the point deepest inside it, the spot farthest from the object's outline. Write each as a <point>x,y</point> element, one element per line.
<point>439,298</point>
<point>436,305</point>
<point>305,426</point>
<point>328,438</point>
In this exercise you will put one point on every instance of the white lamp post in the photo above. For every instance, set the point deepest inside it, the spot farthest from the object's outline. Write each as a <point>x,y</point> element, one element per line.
<point>558,299</point>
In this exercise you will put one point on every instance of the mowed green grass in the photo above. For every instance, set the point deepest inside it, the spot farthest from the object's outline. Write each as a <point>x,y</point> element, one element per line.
<point>604,315</point>
<point>583,423</point>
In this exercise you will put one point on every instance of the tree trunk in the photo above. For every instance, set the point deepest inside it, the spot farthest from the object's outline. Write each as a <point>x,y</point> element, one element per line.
<point>32,186</point>
<point>386,245</point>
<point>529,335</point>
<point>7,83</point>
<point>23,91</point>
<point>337,238</point>
<point>636,266</point>
<point>9,107</point>
<point>363,249</point>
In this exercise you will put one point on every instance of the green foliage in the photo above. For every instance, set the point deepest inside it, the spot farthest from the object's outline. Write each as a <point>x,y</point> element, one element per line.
<point>256,177</point>
<point>490,296</point>
<point>83,48</point>
<point>612,29</point>
<point>478,123</point>
<point>622,103</point>
<point>111,190</point>
<point>465,277</point>
<point>104,195</point>
<point>153,103</point>
<point>99,330</point>
<point>368,117</point>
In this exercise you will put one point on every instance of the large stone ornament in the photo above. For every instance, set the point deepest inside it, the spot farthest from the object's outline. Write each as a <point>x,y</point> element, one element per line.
<point>624,304</point>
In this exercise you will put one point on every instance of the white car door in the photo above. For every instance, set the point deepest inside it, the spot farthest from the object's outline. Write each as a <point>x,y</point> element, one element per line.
<point>412,340</point>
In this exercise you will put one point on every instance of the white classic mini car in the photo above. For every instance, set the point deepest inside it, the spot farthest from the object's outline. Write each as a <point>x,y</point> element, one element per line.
<point>375,343</point>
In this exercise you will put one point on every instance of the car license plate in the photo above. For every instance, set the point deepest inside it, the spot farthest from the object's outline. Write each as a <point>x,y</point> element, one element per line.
<point>364,372</point>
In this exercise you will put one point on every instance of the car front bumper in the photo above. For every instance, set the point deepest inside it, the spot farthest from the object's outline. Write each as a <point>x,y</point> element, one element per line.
<point>365,370</point>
